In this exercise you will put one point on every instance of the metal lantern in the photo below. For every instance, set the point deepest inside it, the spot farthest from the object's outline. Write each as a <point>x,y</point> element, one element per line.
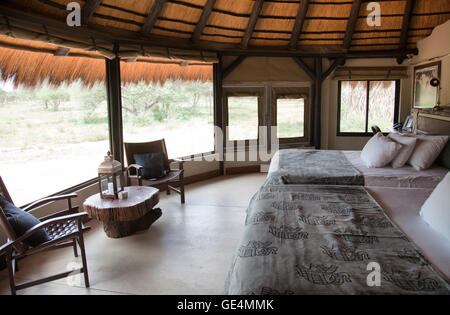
<point>110,178</point>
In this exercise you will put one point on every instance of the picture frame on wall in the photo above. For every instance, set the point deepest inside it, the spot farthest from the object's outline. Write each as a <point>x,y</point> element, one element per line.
<point>425,94</point>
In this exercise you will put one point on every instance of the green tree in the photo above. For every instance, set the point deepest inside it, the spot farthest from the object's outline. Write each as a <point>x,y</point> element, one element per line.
<point>51,97</point>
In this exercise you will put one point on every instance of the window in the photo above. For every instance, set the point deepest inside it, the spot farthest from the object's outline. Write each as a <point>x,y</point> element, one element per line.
<point>291,117</point>
<point>180,112</point>
<point>243,118</point>
<point>363,104</point>
<point>53,138</point>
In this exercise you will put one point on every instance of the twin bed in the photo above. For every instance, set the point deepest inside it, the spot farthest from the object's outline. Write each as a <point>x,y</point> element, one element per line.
<point>313,228</point>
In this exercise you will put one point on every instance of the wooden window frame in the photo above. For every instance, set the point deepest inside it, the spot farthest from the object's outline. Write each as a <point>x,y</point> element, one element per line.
<point>368,132</point>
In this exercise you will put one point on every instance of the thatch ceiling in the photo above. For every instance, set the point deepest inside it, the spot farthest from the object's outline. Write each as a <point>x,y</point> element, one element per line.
<point>248,25</point>
<point>31,68</point>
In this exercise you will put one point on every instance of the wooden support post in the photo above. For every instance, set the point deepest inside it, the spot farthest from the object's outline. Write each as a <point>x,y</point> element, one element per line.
<point>218,114</point>
<point>317,110</point>
<point>113,88</point>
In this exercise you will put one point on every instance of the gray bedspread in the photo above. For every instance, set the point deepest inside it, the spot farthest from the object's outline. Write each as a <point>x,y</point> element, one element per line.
<point>295,166</point>
<point>320,240</point>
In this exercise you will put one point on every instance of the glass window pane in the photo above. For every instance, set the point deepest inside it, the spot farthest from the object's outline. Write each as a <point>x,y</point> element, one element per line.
<point>53,138</point>
<point>353,106</point>
<point>180,112</point>
<point>290,117</point>
<point>242,118</point>
<point>382,104</point>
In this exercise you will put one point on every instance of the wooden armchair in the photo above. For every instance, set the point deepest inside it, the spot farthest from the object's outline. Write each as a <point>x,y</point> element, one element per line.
<point>174,177</point>
<point>64,228</point>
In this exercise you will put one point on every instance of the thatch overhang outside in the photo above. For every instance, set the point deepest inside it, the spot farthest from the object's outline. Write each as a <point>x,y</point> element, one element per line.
<point>177,28</point>
<point>41,64</point>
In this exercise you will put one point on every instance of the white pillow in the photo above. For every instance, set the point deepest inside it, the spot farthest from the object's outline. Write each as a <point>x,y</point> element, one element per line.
<point>427,151</point>
<point>379,151</point>
<point>436,209</point>
<point>408,145</point>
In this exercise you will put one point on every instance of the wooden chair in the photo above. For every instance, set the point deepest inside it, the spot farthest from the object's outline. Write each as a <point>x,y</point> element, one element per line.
<point>174,177</point>
<point>65,229</point>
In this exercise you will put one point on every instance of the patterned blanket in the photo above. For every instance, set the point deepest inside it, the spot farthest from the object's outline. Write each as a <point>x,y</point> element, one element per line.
<point>295,166</point>
<point>321,240</point>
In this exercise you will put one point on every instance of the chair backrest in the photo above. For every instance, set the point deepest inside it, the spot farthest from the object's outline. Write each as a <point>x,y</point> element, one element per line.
<point>158,146</point>
<point>4,224</point>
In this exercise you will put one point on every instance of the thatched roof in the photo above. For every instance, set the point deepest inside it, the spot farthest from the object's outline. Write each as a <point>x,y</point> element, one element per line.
<point>142,26</point>
<point>32,68</point>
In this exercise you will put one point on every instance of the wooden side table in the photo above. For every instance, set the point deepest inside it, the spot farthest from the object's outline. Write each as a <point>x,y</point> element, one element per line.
<point>124,217</point>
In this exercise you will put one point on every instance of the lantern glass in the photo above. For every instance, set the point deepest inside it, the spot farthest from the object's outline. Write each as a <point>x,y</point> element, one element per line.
<point>110,178</point>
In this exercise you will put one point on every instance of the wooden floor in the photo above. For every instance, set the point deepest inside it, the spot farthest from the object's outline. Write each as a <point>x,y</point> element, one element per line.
<point>187,251</point>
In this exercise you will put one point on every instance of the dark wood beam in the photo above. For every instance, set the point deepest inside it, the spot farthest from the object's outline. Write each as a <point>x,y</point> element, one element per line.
<point>233,66</point>
<point>114,98</point>
<point>88,9</point>
<point>334,65</point>
<point>257,7</point>
<point>298,26</point>
<point>218,114</point>
<point>317,109</point>
<point>354,13</point>
<point>405,28</point>
<point>203,19</point>
<point>152,17</point>
<point>305,67</point>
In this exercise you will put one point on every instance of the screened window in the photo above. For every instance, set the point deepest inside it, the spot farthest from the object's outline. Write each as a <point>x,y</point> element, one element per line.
<point>242,118</point>
<point>290,117</point>
<point>53,138</point>
<point>180,112</point>
<point>363,104</point>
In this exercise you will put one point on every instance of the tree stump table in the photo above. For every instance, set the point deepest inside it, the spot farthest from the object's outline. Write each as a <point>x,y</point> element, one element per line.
<point>124,217</point>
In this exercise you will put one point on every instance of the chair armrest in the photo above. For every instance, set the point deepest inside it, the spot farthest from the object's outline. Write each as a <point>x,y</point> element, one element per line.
<point>78,217</point>
<point>180,164</point>
<point>50,199</point>
<point>59,214</point>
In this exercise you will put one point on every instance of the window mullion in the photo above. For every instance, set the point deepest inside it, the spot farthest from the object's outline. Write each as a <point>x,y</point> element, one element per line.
<point>367,105</point>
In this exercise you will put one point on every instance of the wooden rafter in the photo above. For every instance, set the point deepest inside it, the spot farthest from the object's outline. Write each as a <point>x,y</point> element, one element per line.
<point>298,26</point>
<point>62,52</point>
<point>305,67</point>
<point>333,66</point>
<point>203,19</point>
<point>405,25</point>
<point>88,9</point>
<point>152,17</point>
<point>356,6</point>
<point>257,7</point>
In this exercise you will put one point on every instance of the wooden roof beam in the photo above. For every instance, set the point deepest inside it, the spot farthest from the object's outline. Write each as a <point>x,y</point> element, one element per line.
<point>233,66</point>
<point>152,17</point>
<point>298,26</point>
<point>203,19</point>
<point>356,6</point>
<point>405,27</point>
<point>257,7</point>
<point>88,10</point>
<point>305,67</point>
<point>62,52</point>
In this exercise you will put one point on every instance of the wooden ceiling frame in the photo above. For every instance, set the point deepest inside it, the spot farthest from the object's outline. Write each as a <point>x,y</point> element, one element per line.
<point>405,27</point>
<point>152,17</point>
<point>298,26</point>
<point>256,11</point>
<point>351,26</point>
<point>202,21</point>
<point>88,10</point>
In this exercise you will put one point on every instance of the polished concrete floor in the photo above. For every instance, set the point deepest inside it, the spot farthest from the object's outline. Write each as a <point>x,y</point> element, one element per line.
<point>187,251</point>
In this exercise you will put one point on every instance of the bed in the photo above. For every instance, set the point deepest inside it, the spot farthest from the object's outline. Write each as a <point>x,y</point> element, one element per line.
<point>296,166</point>
<point>319,239</point>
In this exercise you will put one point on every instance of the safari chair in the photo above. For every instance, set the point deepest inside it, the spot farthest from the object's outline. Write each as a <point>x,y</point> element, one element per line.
<point>173,178</point>
<point>64,229</point>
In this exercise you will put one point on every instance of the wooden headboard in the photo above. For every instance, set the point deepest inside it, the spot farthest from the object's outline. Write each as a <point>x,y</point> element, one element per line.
<point>431,122</point>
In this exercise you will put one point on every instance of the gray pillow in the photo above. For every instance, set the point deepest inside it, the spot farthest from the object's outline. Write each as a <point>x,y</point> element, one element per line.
<point>152,163</point>
<point>444,157</point>
<point>21,222</point>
